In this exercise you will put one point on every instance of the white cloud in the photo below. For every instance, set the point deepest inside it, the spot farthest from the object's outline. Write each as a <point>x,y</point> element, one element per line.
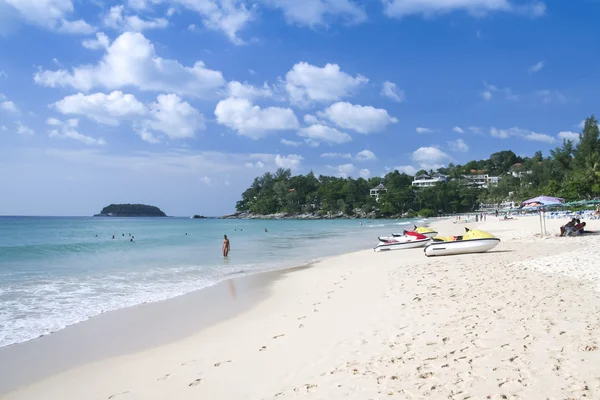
<point>310,119</point>
<point>146,135</point>
<point>206,180</point>
<point>291,143</point>
<point>521,133</point>
<point>458,145</point>
<point>406,169</point>
<point>551,96</point>
<point>116,20</point>
<point>536,67</point>
<point>568,135</point>
<point>539,137</point>
<point>315,134</point>
<point>291,161</point>
<point>366,155</point>
<point>24,130</point>
<point>421,130</point>
<point>49,14</point>
<point>251,120</point>
<point>458,129</point>
<point>247,91</point>
<point>131,60</point>
<point>362,119</point>
<point>476,8</point>
<point>490,90</point>
<point>103,108</point>
<point>8,105</point>
<point>175,118</point>
<point>225,16</point>
<point>430,157</point>
<point>101,42</point>
<point>581,125</point>
<point>365,173</point>
<point>68,130</point>
<point>78,27</point>
<point>390,90</point>
<point>344,170</point>
<point>476,129</point>
<point>337,155</point>
<point>318,12</point>
<point>306,83</point>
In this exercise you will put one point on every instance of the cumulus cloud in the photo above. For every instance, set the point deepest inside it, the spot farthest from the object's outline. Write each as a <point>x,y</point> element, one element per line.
<point>421,130</point>
<point>568,135</point>
<point>362,119</point>
<point>292,143</point>
<point>7,105</point>
<point>251,120</point>
<point>317,134</point>
<point>365,173</point>
<point>306,83</point>
<point>391,91</point>
<point>344,170</point>
<point>247,91</point>
<point>116,19</point>
<point>49,14</point>
<point>317,12</point>
<point>458,145</point>
<point>476,129</point>
<point>291,161</point>
<point>101,42</point>
<point>24,129</point>
<point>131,60</point>
<point>336,155</point>
<point>477,8</point>
<point>406,169</point>
<point>104,108</point>
<point>366,155</point>
<point>536,67</point>
<point>458,129</point>
<point>521,133</point>
<point>225,16</point>
<point>430,157</point>
<point>175,118</point>
<point>69,130</point>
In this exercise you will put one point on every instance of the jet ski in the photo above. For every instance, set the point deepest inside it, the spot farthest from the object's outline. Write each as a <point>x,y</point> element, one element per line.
<point>473,241</point>
<point>409,240</point>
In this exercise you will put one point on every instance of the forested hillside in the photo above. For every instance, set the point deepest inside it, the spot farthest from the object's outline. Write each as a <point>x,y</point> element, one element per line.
<point>571,171</point>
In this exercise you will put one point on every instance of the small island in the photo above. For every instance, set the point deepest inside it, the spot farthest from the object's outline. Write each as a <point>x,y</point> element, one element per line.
<point>196,216</point>
<point>131,210</point>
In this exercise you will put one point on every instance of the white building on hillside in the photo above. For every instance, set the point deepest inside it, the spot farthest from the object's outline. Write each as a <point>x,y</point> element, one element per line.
<point>482,181</point>
<point>377,190</point>
<point>429,181</point>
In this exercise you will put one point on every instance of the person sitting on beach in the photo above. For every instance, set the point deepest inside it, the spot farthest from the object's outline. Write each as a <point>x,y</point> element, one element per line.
<point>568,226</point>
<point>579,228</point>
<point>226,246</point>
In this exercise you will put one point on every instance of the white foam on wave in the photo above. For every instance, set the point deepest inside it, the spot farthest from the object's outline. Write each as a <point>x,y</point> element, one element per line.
<point>40,308</point>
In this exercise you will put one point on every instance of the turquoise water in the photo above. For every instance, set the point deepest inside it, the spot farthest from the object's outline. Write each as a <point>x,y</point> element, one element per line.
<point>57,271</point>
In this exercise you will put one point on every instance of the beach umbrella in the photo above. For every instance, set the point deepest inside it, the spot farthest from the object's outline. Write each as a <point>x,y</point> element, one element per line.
<point>543,201</point>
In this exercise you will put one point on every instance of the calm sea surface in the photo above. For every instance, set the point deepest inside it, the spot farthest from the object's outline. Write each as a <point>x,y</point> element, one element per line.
<point>55,271</point>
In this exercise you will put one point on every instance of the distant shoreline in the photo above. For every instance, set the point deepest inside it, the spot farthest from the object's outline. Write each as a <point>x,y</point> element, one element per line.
<point>309,216</point>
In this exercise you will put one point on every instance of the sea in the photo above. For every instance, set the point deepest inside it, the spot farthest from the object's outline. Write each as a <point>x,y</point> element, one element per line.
<point>59,271</point>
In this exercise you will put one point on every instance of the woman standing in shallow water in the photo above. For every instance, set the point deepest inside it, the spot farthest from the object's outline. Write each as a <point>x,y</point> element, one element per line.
<point>226,246</point>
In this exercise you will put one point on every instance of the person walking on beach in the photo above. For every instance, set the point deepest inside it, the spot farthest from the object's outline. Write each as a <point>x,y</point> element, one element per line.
<point>226,246</point>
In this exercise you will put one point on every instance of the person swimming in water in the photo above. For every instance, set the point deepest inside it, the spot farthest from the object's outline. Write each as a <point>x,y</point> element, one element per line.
<point>226,246</point>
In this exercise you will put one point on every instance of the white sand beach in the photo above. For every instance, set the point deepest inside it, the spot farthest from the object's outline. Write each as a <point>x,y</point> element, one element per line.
<point>519,322</point>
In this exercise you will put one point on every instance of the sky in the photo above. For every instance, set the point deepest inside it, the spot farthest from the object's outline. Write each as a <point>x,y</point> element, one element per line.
<point>181,103</point>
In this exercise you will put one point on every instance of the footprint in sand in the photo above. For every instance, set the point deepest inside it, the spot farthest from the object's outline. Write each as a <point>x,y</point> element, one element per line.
<point>112,396</point>
<point>278,336</point>
<point>196,382</point>
<point>264,348</point>
<point>300,326</point>
<point>188,362</point>
<point>162,378</point>
<point>299,318</point>
<point>222,362</point>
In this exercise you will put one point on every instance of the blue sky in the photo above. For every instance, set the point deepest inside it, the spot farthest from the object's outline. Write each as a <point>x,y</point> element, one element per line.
<point>181,103</point>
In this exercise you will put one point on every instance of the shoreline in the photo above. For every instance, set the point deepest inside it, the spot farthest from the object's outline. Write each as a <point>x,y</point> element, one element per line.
<point>356,312</point>
<point>95,339</point>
